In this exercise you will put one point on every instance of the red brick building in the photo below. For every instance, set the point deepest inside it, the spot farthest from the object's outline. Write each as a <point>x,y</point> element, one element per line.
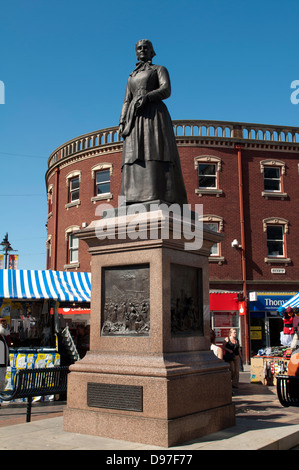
<point>247,178</point>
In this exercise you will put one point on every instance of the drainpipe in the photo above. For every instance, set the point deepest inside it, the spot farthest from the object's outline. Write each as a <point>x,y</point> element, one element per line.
<point>243,248</point>
<point>55,234</point>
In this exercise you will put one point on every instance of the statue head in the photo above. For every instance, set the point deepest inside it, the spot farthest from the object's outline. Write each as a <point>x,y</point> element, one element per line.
<point>144,50</point>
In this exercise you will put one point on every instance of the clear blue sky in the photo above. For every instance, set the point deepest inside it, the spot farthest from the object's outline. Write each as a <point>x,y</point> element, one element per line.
<point>65,64</point>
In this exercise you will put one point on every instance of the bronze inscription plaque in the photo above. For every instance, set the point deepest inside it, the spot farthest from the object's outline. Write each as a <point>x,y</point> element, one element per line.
<point>126,301</point>
<point>117,397</point>
<point>186,300</point>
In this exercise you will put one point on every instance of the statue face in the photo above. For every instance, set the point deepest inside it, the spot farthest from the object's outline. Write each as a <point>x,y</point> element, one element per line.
<point>144,51</point>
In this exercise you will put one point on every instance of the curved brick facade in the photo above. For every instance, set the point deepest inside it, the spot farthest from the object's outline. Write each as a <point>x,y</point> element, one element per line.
<point>228,160</point>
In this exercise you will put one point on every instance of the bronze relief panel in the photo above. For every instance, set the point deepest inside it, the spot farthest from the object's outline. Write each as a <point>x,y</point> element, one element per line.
<point>126,300</point>
<point>186,300</point>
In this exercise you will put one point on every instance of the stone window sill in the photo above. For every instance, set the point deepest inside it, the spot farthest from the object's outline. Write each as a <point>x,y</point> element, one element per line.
<point>214,192</point>
<point>101,197</point>
<point>217,259</point>
<point>73,204</point>
<point>267,194</point>
<point>72,266</point>
<point>284,261</point>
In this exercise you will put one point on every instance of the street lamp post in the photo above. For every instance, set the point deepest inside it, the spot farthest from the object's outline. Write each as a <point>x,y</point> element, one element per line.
<point>6,248</point>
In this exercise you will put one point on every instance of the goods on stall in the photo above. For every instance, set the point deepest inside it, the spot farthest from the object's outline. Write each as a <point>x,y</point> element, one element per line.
<point>29,359</point>
<point>264,369</point>
<point>290,318</point>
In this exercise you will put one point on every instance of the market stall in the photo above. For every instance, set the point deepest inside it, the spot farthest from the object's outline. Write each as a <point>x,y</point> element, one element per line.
<point>29,302</point>
<point>273,361</point>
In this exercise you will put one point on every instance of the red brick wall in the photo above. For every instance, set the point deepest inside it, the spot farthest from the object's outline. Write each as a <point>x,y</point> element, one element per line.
<point>256,208</point>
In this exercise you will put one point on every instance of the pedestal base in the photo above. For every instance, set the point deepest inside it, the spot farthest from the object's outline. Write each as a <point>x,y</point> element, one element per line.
<point>161,401</point>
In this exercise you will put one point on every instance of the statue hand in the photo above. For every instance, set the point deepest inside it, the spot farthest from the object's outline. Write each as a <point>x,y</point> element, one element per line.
<point>140,102</point>
<point>121,129</point>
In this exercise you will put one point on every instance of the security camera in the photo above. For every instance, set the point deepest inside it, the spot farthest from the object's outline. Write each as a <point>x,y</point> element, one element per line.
<point>235,243</point>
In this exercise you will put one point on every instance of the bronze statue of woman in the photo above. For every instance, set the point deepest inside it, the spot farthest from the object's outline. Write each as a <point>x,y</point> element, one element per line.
<point>151,168</point>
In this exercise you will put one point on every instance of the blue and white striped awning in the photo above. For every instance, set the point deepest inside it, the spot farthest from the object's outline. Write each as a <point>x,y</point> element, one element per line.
<point>34,284</point>
<point>292,302</point>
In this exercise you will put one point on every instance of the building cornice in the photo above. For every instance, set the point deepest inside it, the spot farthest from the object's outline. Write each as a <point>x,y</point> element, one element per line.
<point>200,133</point>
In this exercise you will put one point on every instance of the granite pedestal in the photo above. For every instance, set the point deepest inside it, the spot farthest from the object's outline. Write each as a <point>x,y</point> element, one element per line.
<point>149,376</point>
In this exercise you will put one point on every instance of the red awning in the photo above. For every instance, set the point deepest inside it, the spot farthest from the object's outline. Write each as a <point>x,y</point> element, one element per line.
<point>223,301</point>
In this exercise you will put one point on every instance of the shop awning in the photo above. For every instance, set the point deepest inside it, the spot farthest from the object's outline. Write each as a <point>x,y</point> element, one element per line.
<point>292,302</point>
<point>222,301</point>
<point>35,284</point>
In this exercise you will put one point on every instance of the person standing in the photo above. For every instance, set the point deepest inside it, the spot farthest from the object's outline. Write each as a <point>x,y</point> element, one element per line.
<point>4,351</point>
<point>231,346</point>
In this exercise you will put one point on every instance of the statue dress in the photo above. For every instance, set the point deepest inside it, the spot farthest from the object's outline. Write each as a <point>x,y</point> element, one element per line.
<point>151,169</point>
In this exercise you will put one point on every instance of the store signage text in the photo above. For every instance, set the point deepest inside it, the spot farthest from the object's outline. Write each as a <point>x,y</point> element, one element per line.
<point>274,302</point>
<point>270,302</point>
<point>242,308</point>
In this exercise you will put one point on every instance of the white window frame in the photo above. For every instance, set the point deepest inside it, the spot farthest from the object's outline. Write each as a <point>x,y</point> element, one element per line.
<point>101,167</point>
<point>215,219</point>
<point>208,160</point>
<point>73,190</point>
<point>70,176</point>
<point>69,233</point>
<point>72,249</point>
<point>98,184</point>
<point>279,241</point>
<point>266,193</point>
<point>284,223</point>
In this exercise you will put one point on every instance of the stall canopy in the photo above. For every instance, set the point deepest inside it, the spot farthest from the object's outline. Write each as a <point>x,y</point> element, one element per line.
<point>35,284</point>
<point>293,302</point>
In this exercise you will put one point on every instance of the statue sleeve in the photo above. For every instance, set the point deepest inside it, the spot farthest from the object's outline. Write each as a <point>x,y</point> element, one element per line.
<point>164,89</point>
<point>126,103</point>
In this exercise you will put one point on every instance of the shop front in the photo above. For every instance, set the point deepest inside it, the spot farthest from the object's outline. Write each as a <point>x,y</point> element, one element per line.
<point>266,323</point>
<point>224,308</point>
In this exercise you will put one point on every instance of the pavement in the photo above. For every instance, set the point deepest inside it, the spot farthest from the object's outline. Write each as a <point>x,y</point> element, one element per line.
<point>261,424</point>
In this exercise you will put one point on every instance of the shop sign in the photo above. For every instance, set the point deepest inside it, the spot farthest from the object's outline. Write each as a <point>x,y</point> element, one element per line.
<point>271,301</point>
<point>13,261</point>
<point>242,308</point>
<point>256,332</point>
<point>223,319</point>
<point>223,301</point>
<point>278,271</point>
<point>74,311</point>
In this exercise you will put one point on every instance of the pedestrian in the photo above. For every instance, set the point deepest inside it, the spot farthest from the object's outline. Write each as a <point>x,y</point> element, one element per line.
<point>232,355</point>
<point>217,350</point>
<point>4,351</point>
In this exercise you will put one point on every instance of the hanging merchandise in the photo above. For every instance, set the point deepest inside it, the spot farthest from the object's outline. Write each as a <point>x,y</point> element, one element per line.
<point>288,322</point>
<point>286,336</point>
